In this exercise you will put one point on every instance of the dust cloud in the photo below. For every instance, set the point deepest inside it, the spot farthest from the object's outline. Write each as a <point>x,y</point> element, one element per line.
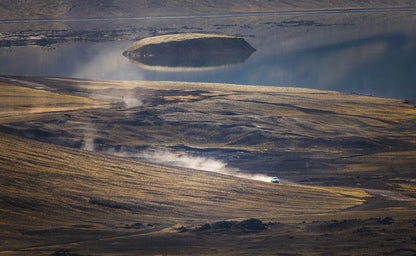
<point>169,158</point>
<point>88,140</point>
<point>197,162</point>
<point>185,160</point>
<point>131,102</point>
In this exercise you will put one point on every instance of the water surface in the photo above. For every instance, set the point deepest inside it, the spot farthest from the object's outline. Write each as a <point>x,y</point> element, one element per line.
<point>295,52</point>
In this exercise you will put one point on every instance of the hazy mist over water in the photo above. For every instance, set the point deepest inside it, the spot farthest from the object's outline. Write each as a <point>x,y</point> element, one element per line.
<point>381,65</point>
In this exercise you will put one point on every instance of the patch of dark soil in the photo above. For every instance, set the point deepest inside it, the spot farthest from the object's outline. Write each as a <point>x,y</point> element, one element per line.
<point>183,229</point>
<point>224,225</point>
<point>295,23</point>
<point>215,152</point>
<point>226,113</point>
<point>204,227</point>
<point>64,232</point>
<point>173,92</point>
<point>136,225</point>
<point>31,133</point>
<point>251,138</point>
<point>252,225</point>
<point>402,252</point>
<point>360,225</point>
<point>65,252</point>
<point>386,220</point>
<point>246,226</point>
<point>40,134</point>
<point>30,204</point>
<point>83,226</point>
<point>143,118</point>
<point>366,231</point>
<point>117,205</point>
<point>157,97</point>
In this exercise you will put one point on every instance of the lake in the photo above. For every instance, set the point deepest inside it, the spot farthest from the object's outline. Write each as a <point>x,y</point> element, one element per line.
<point>372,54</point>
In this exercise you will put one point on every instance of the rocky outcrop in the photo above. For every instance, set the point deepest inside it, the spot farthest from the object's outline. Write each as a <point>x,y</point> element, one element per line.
<point>189,51</point>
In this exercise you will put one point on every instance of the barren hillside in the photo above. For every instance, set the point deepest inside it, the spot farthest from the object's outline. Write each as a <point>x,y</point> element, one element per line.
<point>39,9</point>
<point>96,197</point>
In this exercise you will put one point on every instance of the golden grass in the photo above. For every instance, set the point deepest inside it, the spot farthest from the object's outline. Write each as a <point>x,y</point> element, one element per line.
<point>407,187</point>
<point>51,187</point>
<point>62,197</point>
<point>18,101</point>
<point>172,38</point>
<point>347,191</point>
<point>63,177</point>
<point>372,110</point>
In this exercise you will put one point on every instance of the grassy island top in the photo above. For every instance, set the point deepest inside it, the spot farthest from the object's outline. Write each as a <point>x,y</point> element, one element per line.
<point>173,38</point>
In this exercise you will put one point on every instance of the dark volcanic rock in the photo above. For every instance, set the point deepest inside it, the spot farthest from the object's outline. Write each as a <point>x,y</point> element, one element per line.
<point>189,51</point>
<point>64,252</point>
<point>246,226</point>
<point>252,225</point>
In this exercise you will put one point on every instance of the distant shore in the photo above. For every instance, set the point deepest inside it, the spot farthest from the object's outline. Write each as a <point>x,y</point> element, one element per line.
<point>216,15</point>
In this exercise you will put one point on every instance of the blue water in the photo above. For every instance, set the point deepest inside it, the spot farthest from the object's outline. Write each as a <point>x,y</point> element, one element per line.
<point>379,64</point>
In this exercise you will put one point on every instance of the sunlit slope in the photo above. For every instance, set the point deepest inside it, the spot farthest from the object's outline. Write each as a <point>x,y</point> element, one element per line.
<point>306,136</point>
<point>36,9</point>
<point>26,102</point>
<point>74,192</point>
<point>54,195</point>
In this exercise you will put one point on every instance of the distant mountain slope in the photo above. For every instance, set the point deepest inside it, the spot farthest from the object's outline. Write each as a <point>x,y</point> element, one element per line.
<point>10,9</point>
<point>35,9</point>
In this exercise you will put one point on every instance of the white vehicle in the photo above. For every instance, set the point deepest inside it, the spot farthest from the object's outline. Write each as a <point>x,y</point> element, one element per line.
<point>275,180</point>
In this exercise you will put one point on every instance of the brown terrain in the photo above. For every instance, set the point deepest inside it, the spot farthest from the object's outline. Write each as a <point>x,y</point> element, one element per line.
<point>81,173</point>
<point>47,9</point>
<point>100,167</point>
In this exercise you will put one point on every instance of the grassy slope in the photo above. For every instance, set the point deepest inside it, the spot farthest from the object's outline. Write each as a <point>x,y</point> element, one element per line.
<point>10,9</point>
<point>56,197</point>
<point>18,102</point>
<point>308,136</point>
<point>54,193</point>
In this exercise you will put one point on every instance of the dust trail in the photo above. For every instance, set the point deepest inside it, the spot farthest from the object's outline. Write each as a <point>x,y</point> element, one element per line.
<point>131,101</point>
<point>189,161</point>
<point>199,163</point>
<point>88,140</point>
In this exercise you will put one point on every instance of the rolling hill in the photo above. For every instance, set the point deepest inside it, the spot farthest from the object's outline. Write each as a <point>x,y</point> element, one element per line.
<point>306,136</point>
<point>66,192</point>
<point>39,9</point>
<point>52,195</point>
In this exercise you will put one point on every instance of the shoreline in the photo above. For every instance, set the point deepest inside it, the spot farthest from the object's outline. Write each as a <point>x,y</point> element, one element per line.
<point>219,15</point>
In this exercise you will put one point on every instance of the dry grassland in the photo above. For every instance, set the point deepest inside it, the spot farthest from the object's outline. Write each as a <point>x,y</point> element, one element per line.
<point>56,197</point>
<point>53,195</point>
<point>17,102</point>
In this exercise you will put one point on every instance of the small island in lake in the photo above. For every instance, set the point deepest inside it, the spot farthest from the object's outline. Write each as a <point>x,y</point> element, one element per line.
<point>189,51</point>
